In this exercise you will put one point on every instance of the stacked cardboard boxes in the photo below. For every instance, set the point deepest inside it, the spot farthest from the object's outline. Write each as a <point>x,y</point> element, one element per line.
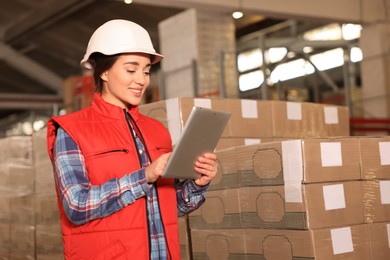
<point>375,170</point>
<point>255,121</point>
<point>289,199</point>
<point>272,189</point>
<point>17,223</point>
<point>47,221</point>
<point>29,223</point>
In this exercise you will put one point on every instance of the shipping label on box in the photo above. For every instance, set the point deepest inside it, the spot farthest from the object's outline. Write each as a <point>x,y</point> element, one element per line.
<point>375,157</point>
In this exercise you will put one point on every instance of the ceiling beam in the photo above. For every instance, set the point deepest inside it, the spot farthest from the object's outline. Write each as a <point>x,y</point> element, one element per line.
<point>31,68</point>
<point>39,19</point>
<point>29,101</point>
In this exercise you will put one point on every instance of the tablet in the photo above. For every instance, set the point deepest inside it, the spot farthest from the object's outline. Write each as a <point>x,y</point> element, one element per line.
<point>201,134</point>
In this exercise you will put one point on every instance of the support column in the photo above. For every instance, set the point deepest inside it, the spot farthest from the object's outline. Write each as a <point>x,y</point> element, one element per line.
<point>197,38</point>
<point>375,70</point>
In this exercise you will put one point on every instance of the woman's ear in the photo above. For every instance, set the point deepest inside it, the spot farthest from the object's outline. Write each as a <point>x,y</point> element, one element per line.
<point>103,76</point>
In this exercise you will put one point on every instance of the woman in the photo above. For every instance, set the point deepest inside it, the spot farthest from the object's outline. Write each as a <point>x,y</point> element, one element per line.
<point>108,159</point>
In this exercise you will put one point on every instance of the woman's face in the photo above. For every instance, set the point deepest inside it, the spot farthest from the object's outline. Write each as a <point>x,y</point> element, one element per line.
<point>126,81</point>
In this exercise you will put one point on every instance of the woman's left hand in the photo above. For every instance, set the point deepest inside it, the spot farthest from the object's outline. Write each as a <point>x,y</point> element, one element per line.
<point>206,166</point>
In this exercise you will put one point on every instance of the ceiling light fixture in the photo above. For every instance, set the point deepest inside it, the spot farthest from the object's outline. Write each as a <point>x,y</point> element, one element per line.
<point>128,1</point>
<point>238,14</point>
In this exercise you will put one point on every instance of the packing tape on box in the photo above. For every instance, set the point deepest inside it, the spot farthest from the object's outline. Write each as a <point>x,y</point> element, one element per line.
<point>292,170</point>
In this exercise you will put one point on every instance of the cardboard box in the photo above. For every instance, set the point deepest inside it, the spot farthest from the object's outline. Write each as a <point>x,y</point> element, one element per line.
<point>331,120</point>
<point>22,210</point>
<point>4,240</point>
<point>291,162</point>
<point>375,157</point>
<point>218,244</point>
<point>349,242</point>
<point>22,240</point>
<point>320,205</point>
<point>304,119</point>
<point>250,118</point>
<point>46,208</point>
<point>317,205</point>
<point>174,113</point>
<point>17,150</point>
<point>293,119</point>
<point>380,240</point>
<point>17,179</point>
<point>376,200</point>
<point>49,239</point>
<point>184,238</point>
<point>228,142</point>
<point>220,211</point>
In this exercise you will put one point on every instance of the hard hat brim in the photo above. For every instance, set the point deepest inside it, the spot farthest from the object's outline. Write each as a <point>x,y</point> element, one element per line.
<point>156,57</point>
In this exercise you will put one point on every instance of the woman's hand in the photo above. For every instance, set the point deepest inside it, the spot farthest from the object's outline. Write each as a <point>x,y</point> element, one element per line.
<point>156,168</point>
<point>206,166</point>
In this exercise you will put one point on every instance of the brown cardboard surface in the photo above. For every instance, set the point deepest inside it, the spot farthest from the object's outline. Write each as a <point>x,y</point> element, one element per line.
<point>218,244</point>
<point>297,161</point>
<point>266,207</point>
<point>221,210</point>
<point>293,119</point>
<point>380,240</point>
<point>331,120</point>
<point>227,176</point>
<point>304,119</point>
<point>323,205</point>
<point>376,200</point>
<point>327,208</point>
<point>349,242</point>
<point>375,157</point>
<point>317,150</point>
<point>49,238</point>
<point>184,238</point>
<point>250,118</point>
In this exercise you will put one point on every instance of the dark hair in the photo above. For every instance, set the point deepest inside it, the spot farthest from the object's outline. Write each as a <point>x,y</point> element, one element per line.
<point>100,63</point>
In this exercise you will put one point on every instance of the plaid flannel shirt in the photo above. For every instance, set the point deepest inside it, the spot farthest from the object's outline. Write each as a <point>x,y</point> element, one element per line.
<point>84,202</point>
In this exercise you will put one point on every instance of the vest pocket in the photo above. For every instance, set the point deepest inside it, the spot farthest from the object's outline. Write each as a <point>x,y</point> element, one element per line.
<point>114,251</point>
<point>108,152</point>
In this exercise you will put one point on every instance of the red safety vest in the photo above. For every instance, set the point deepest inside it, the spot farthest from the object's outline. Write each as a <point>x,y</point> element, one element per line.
<point>103,136</point>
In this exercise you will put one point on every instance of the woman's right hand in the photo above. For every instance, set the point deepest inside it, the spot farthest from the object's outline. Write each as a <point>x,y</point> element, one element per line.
<point>154,170</point>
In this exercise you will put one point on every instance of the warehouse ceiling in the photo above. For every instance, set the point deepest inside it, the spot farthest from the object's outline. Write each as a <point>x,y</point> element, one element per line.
<point>42,42</point>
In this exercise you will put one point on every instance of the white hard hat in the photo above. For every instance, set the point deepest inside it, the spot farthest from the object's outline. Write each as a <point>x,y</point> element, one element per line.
<point>119,36</point>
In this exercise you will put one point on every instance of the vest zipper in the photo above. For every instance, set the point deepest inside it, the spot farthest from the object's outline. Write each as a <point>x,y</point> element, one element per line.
<point>129,119</point>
